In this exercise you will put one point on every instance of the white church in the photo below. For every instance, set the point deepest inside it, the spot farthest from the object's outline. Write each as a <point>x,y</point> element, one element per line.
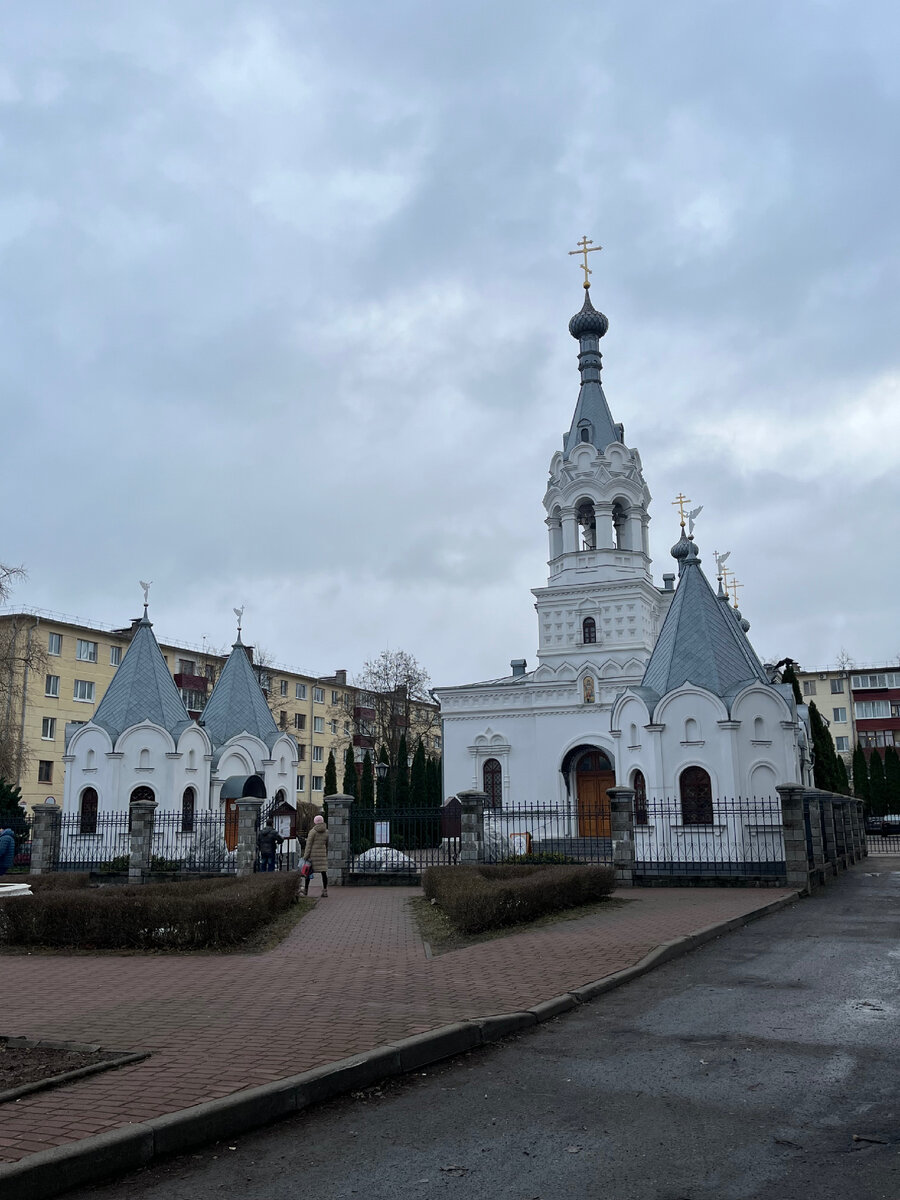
<point>656,688</point>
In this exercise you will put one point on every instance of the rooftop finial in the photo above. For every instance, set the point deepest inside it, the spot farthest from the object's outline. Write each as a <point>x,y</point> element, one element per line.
<point>586,247</point>
<point>679,502</point>
<point>239,613</point>
<point>692,517</point>
<point>725,574</point>
<point>146,587</point>
<point>735,587</point>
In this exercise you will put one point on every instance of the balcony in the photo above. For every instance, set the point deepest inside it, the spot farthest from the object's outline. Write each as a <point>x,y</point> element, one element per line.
<point>365,741</point>
<point>363,713</point>
<point>192,683</point>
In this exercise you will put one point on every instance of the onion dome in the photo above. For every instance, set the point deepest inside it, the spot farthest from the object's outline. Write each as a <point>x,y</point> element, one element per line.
<point>682,548</point>
<point>588,322</point>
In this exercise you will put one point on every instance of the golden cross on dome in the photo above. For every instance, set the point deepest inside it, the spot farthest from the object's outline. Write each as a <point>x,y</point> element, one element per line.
<point>725,574</point>
<point>586,247</point>
<point>679,502</point>
<point>734,589</point>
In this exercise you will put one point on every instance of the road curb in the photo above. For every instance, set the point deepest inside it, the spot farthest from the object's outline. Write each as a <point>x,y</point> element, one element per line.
<point>49,1173</point>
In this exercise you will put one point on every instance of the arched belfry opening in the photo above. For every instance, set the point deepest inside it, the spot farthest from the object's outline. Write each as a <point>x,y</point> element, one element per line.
<point>587,519</point>
<point>620,525</point>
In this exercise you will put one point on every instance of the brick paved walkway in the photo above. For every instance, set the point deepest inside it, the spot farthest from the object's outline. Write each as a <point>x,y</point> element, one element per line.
<point>353,975</point>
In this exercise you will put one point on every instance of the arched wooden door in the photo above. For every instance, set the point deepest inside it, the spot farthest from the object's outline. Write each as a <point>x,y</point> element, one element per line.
<point>592,778</point>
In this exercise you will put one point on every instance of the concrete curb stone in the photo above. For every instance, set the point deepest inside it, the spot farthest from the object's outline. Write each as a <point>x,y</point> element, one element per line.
<point>48,1173</point>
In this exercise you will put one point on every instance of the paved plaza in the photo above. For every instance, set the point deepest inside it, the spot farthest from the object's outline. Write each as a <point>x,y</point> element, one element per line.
<point>353,975</point>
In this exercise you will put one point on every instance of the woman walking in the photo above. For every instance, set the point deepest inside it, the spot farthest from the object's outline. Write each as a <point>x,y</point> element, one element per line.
<point>316,850</point>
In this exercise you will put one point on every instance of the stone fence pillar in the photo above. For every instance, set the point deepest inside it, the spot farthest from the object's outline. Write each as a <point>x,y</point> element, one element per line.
<point>794,831</point>
<point>828,839</point>
<point>248,809</point>
<point>143,816</point>
<point>338,809</point>
<point>621,820</point>
<point>45,834</point>
<point>840,834</point>
<point>861,828</point>
<point>847,826</point>
<point>471,848</point>
<point>814,816</point>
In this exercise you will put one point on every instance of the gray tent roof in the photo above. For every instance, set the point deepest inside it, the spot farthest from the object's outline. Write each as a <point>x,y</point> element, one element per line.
<point>237,704</point>
<point>142,689</point>
<point>700,642</point>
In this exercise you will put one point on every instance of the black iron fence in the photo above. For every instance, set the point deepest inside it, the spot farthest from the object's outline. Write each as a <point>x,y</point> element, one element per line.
<point>392,844</point>
<point>577,832</point>
<point>92,841</point>
<point>21,827</point>
<point>718,839</point>
<point>883,835</point>
<point>192,843</point>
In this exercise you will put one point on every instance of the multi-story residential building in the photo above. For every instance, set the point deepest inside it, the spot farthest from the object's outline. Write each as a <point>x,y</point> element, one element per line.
<point>76,662</point>
<point>875,696</point>
<point>829,689</point>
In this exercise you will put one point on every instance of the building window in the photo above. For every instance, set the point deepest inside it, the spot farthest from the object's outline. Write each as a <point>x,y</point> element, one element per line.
<point>492,777</point>
<point>318,783</point>
<point>51,685</point>
<point>869,710</point>
<point>282,719</point>
<point>346,729</point>
<point>301,753</point>
<point>88,811</point>
<point>319,695</point>
<point>300,691</point>
<point>282,687</point>
<point>188,804</point>
<point>588,630</point>
<point>301,783</point>
<point>842,744</point>
<point>186,667</point>
<point>317,754</point>
<point>332,725</point>
<point>299,720</point>
<point>210,672</point>
<point>115,655</point>
<point>839,715</point>
<point>85,651</point>
<point>696,797</point>
<point>809,687</point>
<point>48,728</point>
<point>193,700</point>
<point>265,681</point>
<point>335,697</point>
<point>639,784</point>
<point>54,644</point>
<point>889,680</point>
<point>84,690</point>
<point>837,687</point>
<point>318,724</point>
<point>45,771</point>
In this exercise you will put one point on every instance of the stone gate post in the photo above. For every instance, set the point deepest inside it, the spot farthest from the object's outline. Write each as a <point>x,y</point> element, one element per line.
<point>794,832</point>
<point>248,809</point>
<point>143,816</point>
<point>338,810</point>
<point>45,834</point>
<point>828,838</point>
<point>621,820</point>
<point>813,814</point>
<point>471,849</point>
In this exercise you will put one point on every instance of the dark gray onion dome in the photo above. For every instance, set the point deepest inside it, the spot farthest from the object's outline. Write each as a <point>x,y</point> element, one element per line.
<point>588,321</point>
<point>682,548</point>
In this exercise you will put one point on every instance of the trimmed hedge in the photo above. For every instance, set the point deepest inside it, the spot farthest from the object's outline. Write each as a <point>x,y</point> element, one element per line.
<point>479,898</point>
<point>196,915</point>
<point>55,881</point>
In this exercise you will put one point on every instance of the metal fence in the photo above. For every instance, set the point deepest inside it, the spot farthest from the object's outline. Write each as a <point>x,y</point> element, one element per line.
<point>576,832</point>
<point>711,839</point>
<point>92,841</point>
<point>883,835</point>
<point>21,827</point>
<point>400,845</point>
<point>191,842</point>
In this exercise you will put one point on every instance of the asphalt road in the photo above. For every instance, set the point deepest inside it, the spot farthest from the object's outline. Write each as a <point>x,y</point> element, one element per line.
<point>764,1066</point>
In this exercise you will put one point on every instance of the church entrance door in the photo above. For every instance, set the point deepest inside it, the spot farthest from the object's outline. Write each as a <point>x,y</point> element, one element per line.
<point>592,779</point>
<point>231,824</point>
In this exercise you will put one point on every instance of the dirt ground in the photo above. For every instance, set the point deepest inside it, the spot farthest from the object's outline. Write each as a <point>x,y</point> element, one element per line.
<point>20,1065</point>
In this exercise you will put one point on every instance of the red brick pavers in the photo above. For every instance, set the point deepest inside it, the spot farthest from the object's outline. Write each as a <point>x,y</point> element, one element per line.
<point>352,975</point>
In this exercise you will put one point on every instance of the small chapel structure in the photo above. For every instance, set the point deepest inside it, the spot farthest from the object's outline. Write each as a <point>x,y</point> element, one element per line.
<point>637,684</point>
<point>141,743</point>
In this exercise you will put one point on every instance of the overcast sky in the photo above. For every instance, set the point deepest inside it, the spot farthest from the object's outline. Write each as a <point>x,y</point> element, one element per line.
<point>285,290</point>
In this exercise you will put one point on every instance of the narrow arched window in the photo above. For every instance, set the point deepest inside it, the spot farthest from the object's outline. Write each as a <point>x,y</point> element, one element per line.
<point>759,729</point>
<point>588,521</point>
<point>691,730</point>
<point>696,797</point>
<point>89,761</point>
<point>588,630</point>
<point>640,798</point>
<point>88,811</point>
<point>188,806</point>
<point>192,759</point>
<point>620,524</point>
<point>585,435</point>
<point>492,776</point>
<point>144,759</point>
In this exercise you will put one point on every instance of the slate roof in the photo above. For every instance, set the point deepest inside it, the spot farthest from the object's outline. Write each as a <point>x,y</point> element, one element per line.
<point>237,704</point>
<point>142,689</point>
<point>701,641</point>
<point>588,326</point>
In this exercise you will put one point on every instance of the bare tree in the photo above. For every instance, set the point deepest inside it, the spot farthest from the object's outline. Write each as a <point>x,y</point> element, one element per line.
<point>21,657</point>
<point>844,661</point>
<point>395,699</point>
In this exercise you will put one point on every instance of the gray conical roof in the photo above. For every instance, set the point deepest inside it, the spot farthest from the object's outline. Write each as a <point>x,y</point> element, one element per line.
<point>700,641</point>
<point>591,412</point>
<point>237,704</point>
<point>142,689</point>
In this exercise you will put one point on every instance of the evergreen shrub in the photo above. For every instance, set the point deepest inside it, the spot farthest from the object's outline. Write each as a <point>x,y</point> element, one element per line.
<point>477,898</point>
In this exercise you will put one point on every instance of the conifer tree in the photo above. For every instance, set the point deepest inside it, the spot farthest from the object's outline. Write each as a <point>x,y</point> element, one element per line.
<point>350,782</point>
<point>861,788</point>
<point>843,777</point>
<point>367,783</point>
<point>825,755</point>
<point>418,788</point>
<point>892,779</point>
<point>9,802</point>
<point>330,776</point>
<point>789,675</point>
<point>877,786</point>
<point>401,776</point>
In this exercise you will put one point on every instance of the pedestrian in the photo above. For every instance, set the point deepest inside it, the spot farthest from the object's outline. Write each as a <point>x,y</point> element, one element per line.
<point>267,840</point>
<point>316,853</point>
<point>8,849</point>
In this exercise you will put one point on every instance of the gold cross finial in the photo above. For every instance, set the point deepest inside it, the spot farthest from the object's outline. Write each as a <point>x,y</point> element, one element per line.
<point>586,247</point>
<point>679,502</point>
<point>734,589</point>
<point>725,574</point>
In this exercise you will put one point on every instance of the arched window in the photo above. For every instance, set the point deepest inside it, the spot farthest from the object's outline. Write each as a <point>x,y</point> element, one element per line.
<point>640,798</point>
<point>88,811</point>
<point>634,735</point>
<point>89,761</point>
<point>585,435</point>
<point>588,630</point>
<point>492,776</point>
<point>691,730</point>
<point>139,793</point>
<point>588,522</point>
<point>144,759</point>
<point>759,729</point>
<point>188,805</point>
<point>620,525</point>
<point>192,760</point>
<point>696,797</point>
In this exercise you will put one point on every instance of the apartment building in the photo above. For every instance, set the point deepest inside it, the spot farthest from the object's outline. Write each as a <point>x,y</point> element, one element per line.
<point>829,689</point>
<point>875,694</point>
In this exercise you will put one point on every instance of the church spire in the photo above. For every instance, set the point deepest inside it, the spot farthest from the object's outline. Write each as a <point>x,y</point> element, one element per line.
<point>592,421</point>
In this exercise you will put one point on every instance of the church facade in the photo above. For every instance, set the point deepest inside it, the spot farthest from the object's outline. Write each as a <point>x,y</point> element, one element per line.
<point>635,683</point>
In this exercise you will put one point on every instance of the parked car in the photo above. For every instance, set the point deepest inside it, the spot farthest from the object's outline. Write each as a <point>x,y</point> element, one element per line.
<point>873,825</point>
<point>890,825</point>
